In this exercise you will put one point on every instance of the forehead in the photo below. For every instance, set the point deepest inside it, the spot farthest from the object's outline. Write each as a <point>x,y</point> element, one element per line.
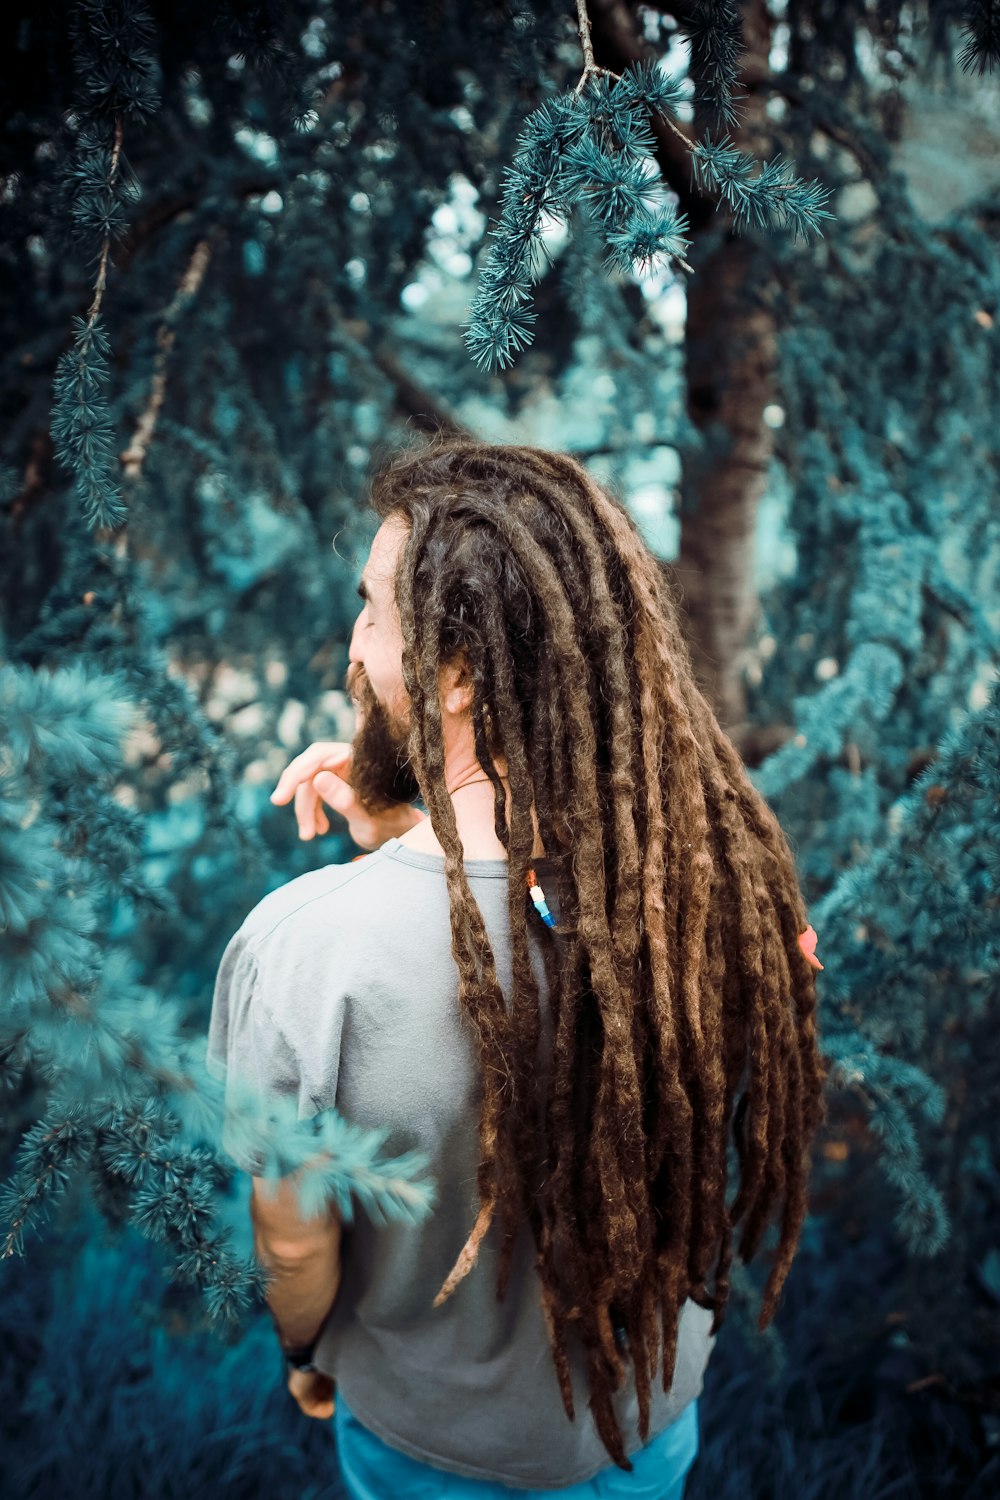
<point>383,555</point>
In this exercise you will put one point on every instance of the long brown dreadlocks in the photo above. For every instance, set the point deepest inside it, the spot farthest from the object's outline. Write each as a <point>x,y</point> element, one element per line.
<point>676,978</point>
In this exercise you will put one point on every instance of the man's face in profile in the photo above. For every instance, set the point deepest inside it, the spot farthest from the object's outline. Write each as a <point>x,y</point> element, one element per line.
<point>380,772</point>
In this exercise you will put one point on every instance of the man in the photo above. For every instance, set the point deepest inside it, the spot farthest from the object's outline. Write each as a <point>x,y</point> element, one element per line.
<point>556,985</point>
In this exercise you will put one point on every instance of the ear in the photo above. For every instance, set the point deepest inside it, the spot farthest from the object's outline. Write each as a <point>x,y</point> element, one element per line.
<point>456,685</point>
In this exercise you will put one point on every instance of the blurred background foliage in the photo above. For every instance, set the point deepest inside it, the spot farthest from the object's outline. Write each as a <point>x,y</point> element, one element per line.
<point>238,243</point>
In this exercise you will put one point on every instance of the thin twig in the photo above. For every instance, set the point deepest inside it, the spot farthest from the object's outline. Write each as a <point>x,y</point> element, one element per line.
<point>590,68</point>
<point>132,457</point>
<point>583,25</point>
<point>102,272</point>
<point>678,132</point>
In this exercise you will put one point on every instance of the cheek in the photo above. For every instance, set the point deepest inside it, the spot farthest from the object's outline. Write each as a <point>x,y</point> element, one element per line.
<point>384,668</point>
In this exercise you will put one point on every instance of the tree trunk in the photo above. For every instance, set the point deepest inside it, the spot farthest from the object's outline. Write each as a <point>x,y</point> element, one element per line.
<point>731,355</point>
<point>730,352</point>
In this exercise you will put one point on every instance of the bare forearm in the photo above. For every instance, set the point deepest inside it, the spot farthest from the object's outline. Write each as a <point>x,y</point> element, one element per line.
<point>301,1292</point>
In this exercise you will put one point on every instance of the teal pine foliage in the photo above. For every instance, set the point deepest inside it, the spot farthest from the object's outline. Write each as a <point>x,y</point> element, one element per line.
<point>982,26</point>
<point>713,30</point>
<point>82,430</point>
<point>593,146</point>
<point>878,652</point>
<point>126,1102</point>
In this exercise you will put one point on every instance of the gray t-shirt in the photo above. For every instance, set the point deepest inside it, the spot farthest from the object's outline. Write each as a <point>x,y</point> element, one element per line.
<point>340,987</point>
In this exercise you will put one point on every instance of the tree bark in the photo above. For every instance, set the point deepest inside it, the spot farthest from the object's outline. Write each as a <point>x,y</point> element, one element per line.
<point>730,353</point>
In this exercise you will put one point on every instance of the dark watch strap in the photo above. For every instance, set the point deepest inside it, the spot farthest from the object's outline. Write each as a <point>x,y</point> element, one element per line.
<point>301,1358</point>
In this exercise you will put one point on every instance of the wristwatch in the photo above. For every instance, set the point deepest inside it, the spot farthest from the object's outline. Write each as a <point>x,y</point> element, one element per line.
<point>301,1358</point>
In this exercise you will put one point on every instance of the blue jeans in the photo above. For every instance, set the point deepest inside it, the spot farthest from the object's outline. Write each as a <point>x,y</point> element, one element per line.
<point>371,1470</point>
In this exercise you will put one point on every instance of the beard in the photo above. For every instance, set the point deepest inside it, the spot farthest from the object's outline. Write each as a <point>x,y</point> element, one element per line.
<point>380,772</point>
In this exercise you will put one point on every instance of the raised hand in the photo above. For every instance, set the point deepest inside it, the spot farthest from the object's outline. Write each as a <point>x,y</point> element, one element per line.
<point>319,778</point>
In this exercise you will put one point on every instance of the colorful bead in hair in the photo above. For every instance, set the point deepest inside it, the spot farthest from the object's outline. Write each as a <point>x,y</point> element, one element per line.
<point>538,897</point>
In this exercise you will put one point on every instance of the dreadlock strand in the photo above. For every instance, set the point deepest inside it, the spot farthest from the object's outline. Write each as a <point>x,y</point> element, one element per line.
<point>469,1252</point>
<point>557,1339</point>
<point>609,628</point>
<point>525,1014</point>
<point>484,1002</point>
<point>618,1087</point>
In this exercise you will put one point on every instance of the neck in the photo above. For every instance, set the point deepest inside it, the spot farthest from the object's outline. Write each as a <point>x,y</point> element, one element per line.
<point>474,781</point>
<point>461,764</point>
<point>472,799</point>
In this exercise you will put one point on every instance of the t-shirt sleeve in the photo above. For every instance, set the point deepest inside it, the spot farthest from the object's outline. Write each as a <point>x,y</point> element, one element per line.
<point>246,1047</point>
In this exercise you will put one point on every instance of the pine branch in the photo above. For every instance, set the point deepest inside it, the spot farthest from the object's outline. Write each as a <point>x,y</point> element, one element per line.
<point>981,23</point>
<point>765,199</point>
<point>499,322</point>
<point>47,1155</point>
<point>82,431</point>
<point>864,691</point>
<point>110,226</point>
<point>714,34</point>
<point>122,1084</point>
<point>333,1157</point>
<point>115,76</point>
<point>917,912</point>
<point>594,146</point>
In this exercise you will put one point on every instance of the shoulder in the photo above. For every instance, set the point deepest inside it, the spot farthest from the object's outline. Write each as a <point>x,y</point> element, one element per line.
<point>299,949</point>
<point>318,900</point>
<point>343,929</point>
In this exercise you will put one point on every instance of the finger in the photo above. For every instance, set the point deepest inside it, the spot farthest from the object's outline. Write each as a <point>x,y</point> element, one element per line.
<point>298,770</point>
<point>305,810</point>
<point>334,790</point>
<point>322,821</point>
<point>339,765</point>
<point>305,765</point>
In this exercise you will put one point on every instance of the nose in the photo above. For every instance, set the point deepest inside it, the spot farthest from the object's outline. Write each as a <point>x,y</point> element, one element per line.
<point>354,677</point>
<point>354,651</point>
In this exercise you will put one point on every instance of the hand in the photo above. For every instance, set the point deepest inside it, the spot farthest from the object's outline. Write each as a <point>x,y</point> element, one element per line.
<point>313,1390</point>
<point>321,774</point>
